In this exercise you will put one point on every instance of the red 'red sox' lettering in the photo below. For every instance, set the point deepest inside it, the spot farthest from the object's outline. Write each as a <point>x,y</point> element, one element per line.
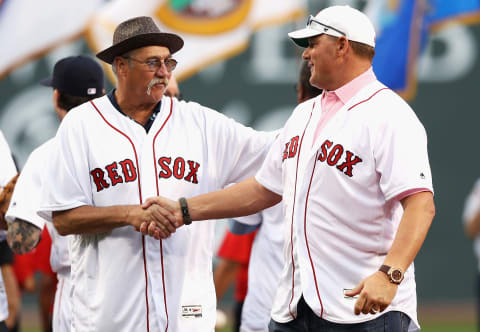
<point>128,170</point>
<point>332,154</point>
<point>125,171</point>
<point>164,162</point>
<point>291,148</point>
<point>97,175</point>
<point>178,169</point>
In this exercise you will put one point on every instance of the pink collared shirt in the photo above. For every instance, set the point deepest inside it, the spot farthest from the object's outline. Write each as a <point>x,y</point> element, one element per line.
<point>333,101</point>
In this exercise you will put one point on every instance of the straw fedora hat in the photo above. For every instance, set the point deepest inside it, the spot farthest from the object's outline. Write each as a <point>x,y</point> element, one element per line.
<point>139,32</point>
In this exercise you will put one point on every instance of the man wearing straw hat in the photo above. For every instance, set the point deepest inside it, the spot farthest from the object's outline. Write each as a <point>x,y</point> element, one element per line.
<point>116,151</point>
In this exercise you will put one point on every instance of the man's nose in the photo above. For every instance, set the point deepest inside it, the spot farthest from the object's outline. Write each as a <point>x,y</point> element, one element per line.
<point>161,69</point>
<point>305,54</point>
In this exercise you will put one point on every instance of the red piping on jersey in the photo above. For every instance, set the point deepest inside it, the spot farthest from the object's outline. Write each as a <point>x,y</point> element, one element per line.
<point>146,278</point>
<point>140,196</point>
<point>133,146</point>
<point>293,212</point>
<point>360,102</point>
<point>158,194</point>
<point>306,240</point>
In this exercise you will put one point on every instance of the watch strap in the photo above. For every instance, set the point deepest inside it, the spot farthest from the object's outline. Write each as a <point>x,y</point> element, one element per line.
<point>385,269</point>
<point>187,220</point>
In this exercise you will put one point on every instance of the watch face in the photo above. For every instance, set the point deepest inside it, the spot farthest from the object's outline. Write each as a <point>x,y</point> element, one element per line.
<point>397,275</point>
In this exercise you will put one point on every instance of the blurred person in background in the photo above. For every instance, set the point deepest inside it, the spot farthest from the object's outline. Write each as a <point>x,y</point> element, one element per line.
<point>9,308</point>
<point>35,276</point>
<point>47,279</point>
<point>173,90</point>
<point>75,80</point>
<point>232,266</point>
<point>304,89</point>
<point>471,223</point>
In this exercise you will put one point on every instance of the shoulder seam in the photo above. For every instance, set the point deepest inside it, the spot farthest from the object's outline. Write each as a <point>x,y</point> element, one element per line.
<point>367,99</point>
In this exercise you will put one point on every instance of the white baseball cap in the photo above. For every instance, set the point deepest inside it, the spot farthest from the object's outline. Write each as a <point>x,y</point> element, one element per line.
<point>337,21</point>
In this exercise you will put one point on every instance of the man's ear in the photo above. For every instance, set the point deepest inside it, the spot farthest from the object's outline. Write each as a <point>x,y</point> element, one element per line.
<point>342,45</point>
<point>121,65</point>
<point>60,111</point>
<point>55,96</point>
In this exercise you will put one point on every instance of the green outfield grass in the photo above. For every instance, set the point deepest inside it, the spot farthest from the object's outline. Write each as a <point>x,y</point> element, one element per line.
<point>449,327</point>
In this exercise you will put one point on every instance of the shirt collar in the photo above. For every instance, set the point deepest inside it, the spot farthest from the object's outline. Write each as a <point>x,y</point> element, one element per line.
<point>347,91</point>
<point>148,125</point>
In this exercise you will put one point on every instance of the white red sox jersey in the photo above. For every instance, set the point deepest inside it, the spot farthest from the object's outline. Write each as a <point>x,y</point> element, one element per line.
<point>8,168</point>
<point>472,207</point>
<point>7,172</point>
<point>264,269</point>
<point>24,204</point>
<point>123,281</point>
<point>340,199</point>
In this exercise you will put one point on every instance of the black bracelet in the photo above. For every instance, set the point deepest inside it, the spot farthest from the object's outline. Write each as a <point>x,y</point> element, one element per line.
<point>187,220</point>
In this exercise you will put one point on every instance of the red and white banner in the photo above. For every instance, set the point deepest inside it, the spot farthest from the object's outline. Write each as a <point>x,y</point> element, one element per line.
<point>212,29</point>
<point>31,28</point>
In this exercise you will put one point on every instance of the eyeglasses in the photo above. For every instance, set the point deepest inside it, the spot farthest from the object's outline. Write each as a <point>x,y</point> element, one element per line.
<point>313,23</point>
<point>156,64</point>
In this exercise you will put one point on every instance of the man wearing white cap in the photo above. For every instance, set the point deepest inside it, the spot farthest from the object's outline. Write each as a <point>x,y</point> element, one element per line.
<point>352,168</point>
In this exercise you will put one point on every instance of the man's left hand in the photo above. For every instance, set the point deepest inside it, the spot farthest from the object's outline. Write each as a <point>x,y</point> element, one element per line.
<point>375,294</point>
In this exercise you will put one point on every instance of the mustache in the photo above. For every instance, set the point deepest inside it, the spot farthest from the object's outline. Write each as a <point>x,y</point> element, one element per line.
<point>156,80</point>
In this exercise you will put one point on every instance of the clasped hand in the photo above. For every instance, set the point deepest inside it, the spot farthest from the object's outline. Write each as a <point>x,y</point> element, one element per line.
<point>160,217</point>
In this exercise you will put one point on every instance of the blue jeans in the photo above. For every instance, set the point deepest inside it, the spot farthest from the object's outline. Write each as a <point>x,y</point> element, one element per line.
<point>308,321</point>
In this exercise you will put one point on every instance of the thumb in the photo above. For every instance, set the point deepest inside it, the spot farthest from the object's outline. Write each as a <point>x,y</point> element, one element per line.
<point>356,290</point>
<point>149,202</point>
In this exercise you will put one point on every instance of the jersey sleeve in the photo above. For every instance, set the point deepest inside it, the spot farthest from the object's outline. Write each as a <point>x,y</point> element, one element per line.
<point>8,168</point>
<point>400,150</point>
<point>66,175</point>
<point>28,190</point>
<point>270,174</point>
<point>239,150</point>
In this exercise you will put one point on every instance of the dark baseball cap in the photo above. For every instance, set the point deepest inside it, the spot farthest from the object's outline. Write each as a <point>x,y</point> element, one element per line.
<point>79,76</point>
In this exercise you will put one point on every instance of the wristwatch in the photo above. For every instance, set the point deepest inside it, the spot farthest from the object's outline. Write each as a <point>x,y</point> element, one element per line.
<point>187,220</point>
<point>395,274</point>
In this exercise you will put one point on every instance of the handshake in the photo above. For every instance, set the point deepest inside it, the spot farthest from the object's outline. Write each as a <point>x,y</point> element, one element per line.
<point>158,217</point>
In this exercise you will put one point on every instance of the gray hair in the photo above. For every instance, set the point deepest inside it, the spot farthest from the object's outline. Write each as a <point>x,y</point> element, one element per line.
<point>125,55</point>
